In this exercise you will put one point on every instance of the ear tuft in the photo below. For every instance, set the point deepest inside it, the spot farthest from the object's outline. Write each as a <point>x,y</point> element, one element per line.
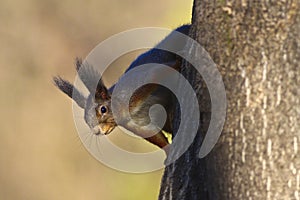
<point>63,85</point>
<point>88,74</point>
<point>67,88</point>
<point>78,63</point>
<point>101,91</point>
<point>91,78</point>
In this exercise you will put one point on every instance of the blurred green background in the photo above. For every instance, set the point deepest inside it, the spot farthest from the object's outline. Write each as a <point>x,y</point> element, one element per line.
<point>41,155</point>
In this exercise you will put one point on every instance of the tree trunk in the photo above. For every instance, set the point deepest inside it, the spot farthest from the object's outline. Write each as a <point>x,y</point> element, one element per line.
<point>256,46</point>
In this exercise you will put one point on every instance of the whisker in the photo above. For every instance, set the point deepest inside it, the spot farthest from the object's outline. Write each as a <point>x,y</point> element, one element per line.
<point>91,139</point>
<point>86,137</point>
<point>78,141</point>
<point>98,144</point>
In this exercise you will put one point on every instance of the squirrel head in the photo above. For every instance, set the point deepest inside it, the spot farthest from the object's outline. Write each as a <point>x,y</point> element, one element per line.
<point>98,113</point>
<point>97,106</point>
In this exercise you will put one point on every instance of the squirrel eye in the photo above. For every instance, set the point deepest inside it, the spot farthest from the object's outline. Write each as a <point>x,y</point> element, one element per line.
<point>103,109</point>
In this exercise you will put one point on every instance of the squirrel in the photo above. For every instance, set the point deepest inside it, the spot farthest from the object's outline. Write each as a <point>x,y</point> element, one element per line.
<point>97,106</point>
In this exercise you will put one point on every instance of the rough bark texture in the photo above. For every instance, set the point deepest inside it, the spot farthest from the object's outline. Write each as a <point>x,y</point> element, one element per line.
<point>256,45</point>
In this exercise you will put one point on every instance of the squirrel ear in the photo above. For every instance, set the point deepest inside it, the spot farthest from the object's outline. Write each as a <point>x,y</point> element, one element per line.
<point>87,74</point>
<point>70,90</point>
<point>90,77</point>
<point>101,91</point>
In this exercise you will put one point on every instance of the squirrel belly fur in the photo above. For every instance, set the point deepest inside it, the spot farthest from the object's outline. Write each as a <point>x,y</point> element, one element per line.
<point>97,105</point>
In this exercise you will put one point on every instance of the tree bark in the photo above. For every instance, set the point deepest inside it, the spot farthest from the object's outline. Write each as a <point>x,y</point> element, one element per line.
<point>256,46</point>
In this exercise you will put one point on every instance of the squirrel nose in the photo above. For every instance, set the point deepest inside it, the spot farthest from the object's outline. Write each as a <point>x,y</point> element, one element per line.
<point>96,130</point>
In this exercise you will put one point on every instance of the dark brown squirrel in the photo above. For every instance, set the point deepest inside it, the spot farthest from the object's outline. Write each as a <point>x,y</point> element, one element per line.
<point>97,106</point>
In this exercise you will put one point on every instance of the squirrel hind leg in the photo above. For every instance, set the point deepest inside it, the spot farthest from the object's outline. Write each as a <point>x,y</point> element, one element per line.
<point>159,140</point>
